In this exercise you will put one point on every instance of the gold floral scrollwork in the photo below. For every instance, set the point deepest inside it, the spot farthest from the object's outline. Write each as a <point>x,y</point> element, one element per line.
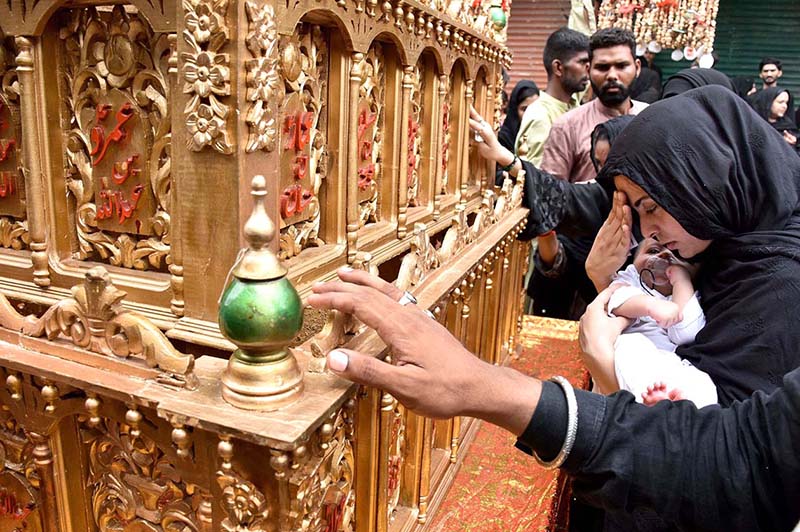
<point>419,261</point>
<point>245,507</point>
<point>118,147</point>
<point>93,318</point>
<point>133,484</point>
<point>415,121</point>
<point>320,488</point>
<point>446,95</point>
<point>264,85</point>
<point>13,220</point>
<point>303,150</point>
<point>370,133</point>
<point>457,236</point>
<point>206,75</point>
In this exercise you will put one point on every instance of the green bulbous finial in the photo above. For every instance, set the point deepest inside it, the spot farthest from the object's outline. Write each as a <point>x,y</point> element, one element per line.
<point>260,311</point>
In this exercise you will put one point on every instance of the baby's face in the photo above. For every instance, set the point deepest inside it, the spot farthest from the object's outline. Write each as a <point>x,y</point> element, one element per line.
<point>647,250</point>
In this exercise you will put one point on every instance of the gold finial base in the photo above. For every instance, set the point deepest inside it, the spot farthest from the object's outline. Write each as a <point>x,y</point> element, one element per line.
<point>263,386</point>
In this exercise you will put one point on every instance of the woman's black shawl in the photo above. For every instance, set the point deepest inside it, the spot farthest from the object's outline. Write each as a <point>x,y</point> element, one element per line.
<point>725,175</point>
<point>762,103</point>
<point>612,128</point>
<point>692,78</point>
<point>508,131</point>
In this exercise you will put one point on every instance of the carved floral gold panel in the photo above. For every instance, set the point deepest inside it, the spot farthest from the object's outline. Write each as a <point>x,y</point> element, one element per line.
<point>415,124</point>
<point>13,218</point>
<point>206,75</point>
<point>446,107</point>
<point>304,133</point>
<point>371,119</point>
<point>117,148</point>
<point>396,452</point>
<point>19,482</point>
<point>133,484</point>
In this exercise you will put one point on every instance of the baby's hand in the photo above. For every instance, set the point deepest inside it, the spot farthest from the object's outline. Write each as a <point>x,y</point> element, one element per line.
<point>666,313</point>
<point>678,274</point>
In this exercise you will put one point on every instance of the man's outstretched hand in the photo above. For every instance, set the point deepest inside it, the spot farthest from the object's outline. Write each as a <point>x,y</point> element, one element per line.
<point>431,372</point>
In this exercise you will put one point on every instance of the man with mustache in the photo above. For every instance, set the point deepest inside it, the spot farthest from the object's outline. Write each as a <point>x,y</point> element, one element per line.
<point>613,69</point>
<point>566,60</point>
<point>769,70</point>
<point>559,285</point>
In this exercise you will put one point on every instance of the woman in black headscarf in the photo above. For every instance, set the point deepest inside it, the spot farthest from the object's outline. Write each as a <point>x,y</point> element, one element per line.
<point>692,78</point>
<point>776,106</point>
<point>558,262</point>
<point>714,184</point>
<point>525,93</point>
<point>647,86</point>
<point>743,86</point>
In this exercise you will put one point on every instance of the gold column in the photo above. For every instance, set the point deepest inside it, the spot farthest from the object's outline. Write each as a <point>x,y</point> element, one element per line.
<point>402,189</point>
<point>34,178</point>
<point>177,303</point>
<point>425,471</point>
<point>468,97</point>
<point>43,461</point>
<point>356,72</point>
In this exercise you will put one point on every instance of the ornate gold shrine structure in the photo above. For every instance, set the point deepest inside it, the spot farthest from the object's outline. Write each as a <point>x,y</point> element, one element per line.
<point>129,137</point>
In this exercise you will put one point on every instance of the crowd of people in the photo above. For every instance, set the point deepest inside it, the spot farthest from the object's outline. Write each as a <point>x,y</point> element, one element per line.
<point>672,231</point>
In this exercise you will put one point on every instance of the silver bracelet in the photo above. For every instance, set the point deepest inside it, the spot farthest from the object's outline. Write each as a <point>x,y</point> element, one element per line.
<point>572,426</point>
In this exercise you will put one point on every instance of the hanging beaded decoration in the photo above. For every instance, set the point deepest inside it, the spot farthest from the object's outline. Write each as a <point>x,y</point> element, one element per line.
<point>686,25</point>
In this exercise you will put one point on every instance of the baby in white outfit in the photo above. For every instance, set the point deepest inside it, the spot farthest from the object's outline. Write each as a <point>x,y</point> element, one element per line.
<point>658,297</point>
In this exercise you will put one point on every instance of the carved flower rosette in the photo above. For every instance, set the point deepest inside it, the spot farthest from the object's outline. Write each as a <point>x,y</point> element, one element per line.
<point>206,75</point>
<point>118,146</point>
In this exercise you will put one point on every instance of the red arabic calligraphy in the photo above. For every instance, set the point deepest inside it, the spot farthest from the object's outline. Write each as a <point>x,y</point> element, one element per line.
<point>10,507</point>
<point>122,171</point>
<point>5,148</point>
<point>413,128</point>
<point>101,141</point>
<point>294,200</point>
<point>298,130</point>
<point>334,514</point>
<point>115,201</point>
<point>7,184</point>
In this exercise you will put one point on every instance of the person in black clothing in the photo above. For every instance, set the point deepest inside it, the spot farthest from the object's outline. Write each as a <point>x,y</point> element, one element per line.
<point>714,182</point>
<point>525,93</point>
<point>776,106</point>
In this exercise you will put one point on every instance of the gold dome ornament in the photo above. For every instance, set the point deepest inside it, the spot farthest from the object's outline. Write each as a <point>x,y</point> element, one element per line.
<point>261,312</point>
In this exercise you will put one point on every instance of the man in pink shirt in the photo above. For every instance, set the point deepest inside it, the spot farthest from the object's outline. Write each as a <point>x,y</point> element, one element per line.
<point>612,71</point>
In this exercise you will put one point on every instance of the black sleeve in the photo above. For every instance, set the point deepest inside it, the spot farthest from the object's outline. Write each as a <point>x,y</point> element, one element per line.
<point>716,468</point>
<point>572,209</point>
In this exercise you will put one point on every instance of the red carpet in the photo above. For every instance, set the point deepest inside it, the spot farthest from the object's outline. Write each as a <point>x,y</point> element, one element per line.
<point>499,488</point>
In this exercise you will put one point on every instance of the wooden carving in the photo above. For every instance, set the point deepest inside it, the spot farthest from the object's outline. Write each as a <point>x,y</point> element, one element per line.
<point>118,148</point>
<point>415,122</point>
<point>243,504</point>
<point>133,484</point>
<point>303,150</point>
<point>19,481</point>
<point>319,477</point>
<point>393,413</point>
<point>457,237</point>
<point>421,259</point>
<point>446,95</point>
<point>206,75</point>
<point>264,86</point>
<point>370,133</point>
<point>93,319</point>
<point>13,217</point>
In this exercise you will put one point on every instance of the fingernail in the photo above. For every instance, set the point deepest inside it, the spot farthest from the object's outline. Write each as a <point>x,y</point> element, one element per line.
<point>345,269</point>
<point>337,361</point>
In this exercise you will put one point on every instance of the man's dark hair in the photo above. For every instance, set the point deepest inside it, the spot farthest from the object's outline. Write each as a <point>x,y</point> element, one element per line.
<point>610,37</point>
<point>770,61</point>
<point>563,44</point>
